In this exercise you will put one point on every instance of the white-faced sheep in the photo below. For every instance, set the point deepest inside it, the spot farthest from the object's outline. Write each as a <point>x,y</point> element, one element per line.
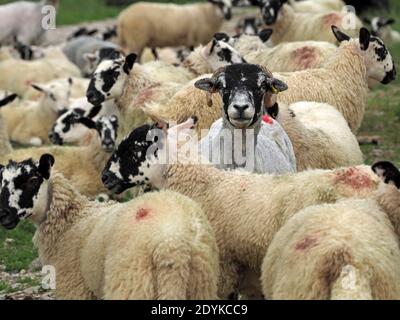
<point>245,210</point>
<point>30,122</point>
<point>156,25</point>
<point>381,27</point>
<point>347,250</point>
<point>289,25</point>
<point>343,81</point>
<point>313,135</point>
<point>23,19</point>
<point>159,246</point>
<point>80,165</point>
<point>260,141</point>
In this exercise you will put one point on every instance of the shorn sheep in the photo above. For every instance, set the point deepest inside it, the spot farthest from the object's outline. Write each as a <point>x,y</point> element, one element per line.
<point>81,165</point>
<point>381,27</point>
<point>289,25</point>
<point>156,25</point>
<point>245,210</point>
<point>346,250</point>
<point>343,81</point>
<point>23,20</point>
<point>30,122</point>
<point>159,246</point>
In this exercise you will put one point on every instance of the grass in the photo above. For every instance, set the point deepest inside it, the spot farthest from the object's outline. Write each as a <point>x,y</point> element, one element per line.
<point>382,118</point>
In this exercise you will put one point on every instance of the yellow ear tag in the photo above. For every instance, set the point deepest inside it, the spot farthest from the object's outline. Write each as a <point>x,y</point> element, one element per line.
<point>274,90</point>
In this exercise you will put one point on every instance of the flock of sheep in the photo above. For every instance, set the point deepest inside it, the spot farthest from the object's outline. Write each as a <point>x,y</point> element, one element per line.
<point>299,218</point>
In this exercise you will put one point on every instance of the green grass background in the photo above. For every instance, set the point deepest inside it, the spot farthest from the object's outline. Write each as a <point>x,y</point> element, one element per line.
<point>382,118</point>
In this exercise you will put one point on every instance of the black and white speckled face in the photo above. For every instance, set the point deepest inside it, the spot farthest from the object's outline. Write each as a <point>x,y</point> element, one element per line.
<point>270,10</point>
<point>108,81</point>
<point>65,126</point>
<point>219,53</point>
<point>24,189</point>
<point>388,172</point>
<point>242,88</point>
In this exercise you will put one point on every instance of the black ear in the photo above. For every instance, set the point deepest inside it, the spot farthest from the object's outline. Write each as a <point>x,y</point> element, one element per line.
<point>221,36</point>
<point>129,61</point>
<point>7,100</point>
<point>206,84</point>
<point>388,172</point>
<point>45,164</point>
<point>94,111</point>
<point>265,34</point>
<point>365,39</point>
<point>276,85</point>
<point>36,87</point>
<point>390,21</point>
<point>89,123</point>
<point>366,21</point>
<point>339,35</point>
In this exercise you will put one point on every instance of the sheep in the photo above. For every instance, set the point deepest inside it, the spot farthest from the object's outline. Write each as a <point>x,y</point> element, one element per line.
<point>24,20</point>
<point>346,250</point>
<point>262,144</point>
<point>249,26</point>
<point>30,122</point>
<point>315,6</point>
<point>80,165</point>
<point>17,75</point>
<point>343,82</point>
<point>289,25</point>
<point>381,28</point>
<point>245,210</point>
<point>87,52</point>
<point>313,132</point>
<point>285,57</point>
<point>158,246</point>
<point>67,130</point>
<point>77,89</point>
<point>169,25</point>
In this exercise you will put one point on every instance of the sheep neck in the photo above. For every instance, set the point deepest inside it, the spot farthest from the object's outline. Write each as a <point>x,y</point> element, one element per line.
<point>65,207</point>
<point>349,69</point>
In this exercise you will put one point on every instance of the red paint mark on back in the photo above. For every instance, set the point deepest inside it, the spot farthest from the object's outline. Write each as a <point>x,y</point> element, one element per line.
<point>354,178</point>
<point>268,120</point>
<point>305,57</point>
<point>142,213</point>
<point>332,19</point>
<point>307,243</point>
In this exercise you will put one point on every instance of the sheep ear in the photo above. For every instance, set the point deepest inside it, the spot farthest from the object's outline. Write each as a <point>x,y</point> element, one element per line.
<point>89,123</point>
<point>388,172</point>
<point>206,84</point>
<point>221,36</point>
<point>265,34</point>
<point>129,62</point>
<point>339,35</point>
<point>8,100</point>
<point>46,162</point>
<point>38,88</point>
<point>276,85</point>
<point>365,38</point>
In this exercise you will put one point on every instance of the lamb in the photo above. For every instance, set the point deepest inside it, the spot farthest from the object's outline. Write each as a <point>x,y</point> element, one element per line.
<point>245,210</point>
<point>381,28</point>
<point>169,25</point>
<point>24,20</point>
<point>343,82</point>
<point>346,250</point>
<point>80,165</point>
<point>159,246</point>
<point>313,132</point>
<point>289,25</point>
<point>30,122</point>
<point>17,75</point>
<point>260,142</point>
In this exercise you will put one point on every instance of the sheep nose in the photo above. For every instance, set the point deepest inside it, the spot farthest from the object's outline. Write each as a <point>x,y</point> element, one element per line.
<point>241,107</point>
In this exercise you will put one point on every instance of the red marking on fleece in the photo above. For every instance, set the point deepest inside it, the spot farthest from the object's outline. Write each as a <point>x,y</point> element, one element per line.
<point>268,120</point>
<point>142,213</point>
<point>332,19</point>
<point>305,57</point>
<point>354,178</point>
<point>144,96</point>
<point>307,243</point>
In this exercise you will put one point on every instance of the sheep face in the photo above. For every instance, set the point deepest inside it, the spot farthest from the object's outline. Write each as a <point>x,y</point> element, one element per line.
<point>270,10</point>
<point>24,190</point>
<point>56,95</point>
<point>378,60</point>
<point>219,54</point>
<point>108,81</point>
<point>65,128</point>
<point>243,88</point>
<point>138,159</point>
<point>248,26</point>
<point>225,6</point>
<point>378,24</point>
<point>94,59</point>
